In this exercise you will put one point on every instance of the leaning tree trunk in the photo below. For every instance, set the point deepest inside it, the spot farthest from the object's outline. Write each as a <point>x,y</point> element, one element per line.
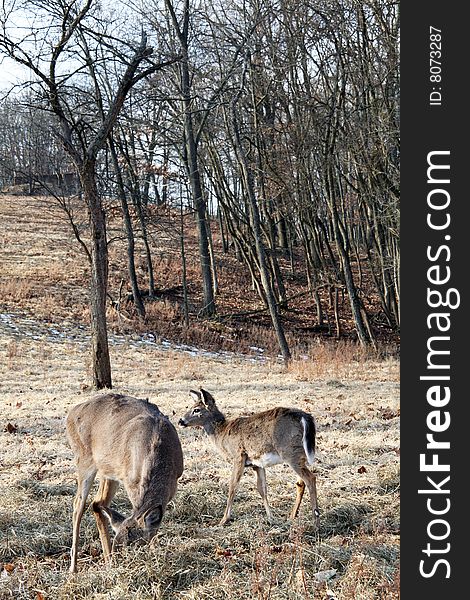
<point>138,302</point>
<point>99,278</point>
<point>191,157</point>
<point>257,233</point>
<point>356,309</point>
<point>200,205</point>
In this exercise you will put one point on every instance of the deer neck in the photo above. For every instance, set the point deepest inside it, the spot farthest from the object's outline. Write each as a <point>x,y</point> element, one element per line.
<point>214,425</point>
<point>154,488</point>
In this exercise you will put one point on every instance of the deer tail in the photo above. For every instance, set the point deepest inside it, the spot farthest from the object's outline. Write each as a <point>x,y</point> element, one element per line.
<point>308,438</point>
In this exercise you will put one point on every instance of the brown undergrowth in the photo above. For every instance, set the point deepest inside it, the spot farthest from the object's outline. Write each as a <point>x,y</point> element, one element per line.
<point>46,274</point>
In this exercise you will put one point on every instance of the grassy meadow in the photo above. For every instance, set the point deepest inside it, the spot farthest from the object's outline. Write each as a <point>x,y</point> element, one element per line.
<point>353,396</point>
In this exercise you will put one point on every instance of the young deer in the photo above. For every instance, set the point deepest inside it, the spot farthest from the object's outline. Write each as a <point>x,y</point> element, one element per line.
<point>123,439</point>
<point>271,437</point>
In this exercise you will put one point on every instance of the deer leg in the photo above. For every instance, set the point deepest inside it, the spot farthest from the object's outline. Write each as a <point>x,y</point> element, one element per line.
<point>309,479</point>
<point>300,487</point>
<point>263,490</point>
<point>237,472</point>
<point>84,484</point>
<point>105,494</point>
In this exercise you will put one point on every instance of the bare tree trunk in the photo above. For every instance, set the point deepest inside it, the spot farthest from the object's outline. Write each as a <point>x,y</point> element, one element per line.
<point>148,252</point>
<point>337,322</point>
<point>355,302</point>
<point>260,249</point>
<point>183,265</point>
<point>129,234</point>
<point>99,278</point>
<point>222,232</point>
<point>191,155</point>
<point>208,308</point>
<point>215,282</point>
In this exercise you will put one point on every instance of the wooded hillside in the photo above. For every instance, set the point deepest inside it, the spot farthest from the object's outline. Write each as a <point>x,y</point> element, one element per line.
<point>240,160</point>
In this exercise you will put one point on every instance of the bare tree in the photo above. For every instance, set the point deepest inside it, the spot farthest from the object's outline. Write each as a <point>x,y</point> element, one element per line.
<point>191,155</point>
<point>60,63</point>
<point>247,179</point>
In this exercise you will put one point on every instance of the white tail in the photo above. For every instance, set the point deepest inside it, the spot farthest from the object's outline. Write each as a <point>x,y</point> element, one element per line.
<point>279,435</point>
<point>123,439</point>
<point>307,440</point>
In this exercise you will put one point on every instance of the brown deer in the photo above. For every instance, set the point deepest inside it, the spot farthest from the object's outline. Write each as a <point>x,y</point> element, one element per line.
<point>271,437</point>
<point>129,441</point>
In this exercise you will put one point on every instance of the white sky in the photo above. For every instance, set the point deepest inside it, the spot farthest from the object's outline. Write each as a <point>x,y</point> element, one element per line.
<point>11,74</point>
<point>18,24</point>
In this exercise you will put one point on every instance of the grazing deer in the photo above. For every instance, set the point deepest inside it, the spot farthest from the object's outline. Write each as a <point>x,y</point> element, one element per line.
<point>271,437</point>
<point>123,439</point>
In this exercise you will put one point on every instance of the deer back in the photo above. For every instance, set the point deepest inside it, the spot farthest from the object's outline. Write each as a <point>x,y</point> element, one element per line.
<point>265,435</point>
<point>128,440</point>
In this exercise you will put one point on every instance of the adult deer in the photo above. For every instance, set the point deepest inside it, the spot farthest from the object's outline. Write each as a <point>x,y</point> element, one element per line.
<point>271,437</point>
<point>123,439</point>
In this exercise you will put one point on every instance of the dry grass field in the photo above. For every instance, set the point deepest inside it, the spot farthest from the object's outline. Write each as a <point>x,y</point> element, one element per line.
<point>354,398</point>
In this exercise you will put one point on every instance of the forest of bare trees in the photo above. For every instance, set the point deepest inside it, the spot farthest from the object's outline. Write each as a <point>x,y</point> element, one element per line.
<point>274,122</point>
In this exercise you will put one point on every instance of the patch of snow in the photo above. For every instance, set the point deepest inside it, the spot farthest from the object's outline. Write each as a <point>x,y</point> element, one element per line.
<point>18,325</point>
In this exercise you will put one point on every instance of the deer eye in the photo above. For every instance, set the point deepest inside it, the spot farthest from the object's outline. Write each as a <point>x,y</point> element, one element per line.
<point>196,410</point>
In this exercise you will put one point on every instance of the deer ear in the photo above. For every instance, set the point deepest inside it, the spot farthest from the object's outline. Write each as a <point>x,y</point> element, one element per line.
<point>207,399</point>
<point>153,518</point>
<point>195,395</point>
<point>115,519</point>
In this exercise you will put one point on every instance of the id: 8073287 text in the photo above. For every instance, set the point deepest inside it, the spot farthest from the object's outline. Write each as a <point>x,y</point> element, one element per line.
<point>435,66</point>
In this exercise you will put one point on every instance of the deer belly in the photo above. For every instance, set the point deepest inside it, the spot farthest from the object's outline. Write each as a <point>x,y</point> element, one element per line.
<point>266,460</point>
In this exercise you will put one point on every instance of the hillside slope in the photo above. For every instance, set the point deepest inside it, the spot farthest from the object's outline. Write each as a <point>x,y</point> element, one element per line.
<point>44,273</point>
